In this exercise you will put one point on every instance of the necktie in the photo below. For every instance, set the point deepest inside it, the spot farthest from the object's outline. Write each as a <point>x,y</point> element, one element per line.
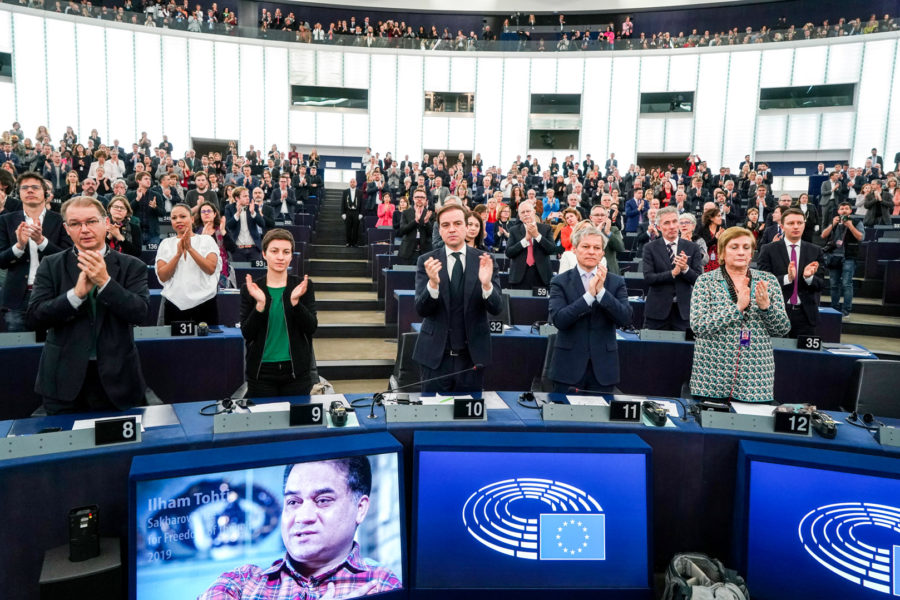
<point>529,257</point>
<point>794,297</point>
<point>456,278</point>
<point>586,280</point>
<point>671,247</point>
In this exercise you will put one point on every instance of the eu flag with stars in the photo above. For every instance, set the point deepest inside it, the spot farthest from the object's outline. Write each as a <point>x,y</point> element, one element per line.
<point>571,536</point>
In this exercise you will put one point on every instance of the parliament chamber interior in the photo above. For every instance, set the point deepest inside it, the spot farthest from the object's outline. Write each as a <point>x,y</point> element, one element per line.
<point>305,300</point>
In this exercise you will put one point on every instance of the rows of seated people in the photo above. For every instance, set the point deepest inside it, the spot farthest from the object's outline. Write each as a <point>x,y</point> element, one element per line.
<point>397,33</point>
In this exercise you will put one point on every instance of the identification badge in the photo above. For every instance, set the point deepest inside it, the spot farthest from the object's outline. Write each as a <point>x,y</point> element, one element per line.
<point>745,338</point>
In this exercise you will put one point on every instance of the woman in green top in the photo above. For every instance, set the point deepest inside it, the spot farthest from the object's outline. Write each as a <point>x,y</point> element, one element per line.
<point>278,319</point>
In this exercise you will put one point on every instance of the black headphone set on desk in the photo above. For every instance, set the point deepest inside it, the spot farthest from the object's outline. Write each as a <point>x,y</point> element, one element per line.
<point>866,421</point>
<point>226,405</point>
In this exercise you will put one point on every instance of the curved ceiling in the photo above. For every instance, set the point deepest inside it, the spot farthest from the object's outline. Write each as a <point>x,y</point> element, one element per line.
<point>524,6</point>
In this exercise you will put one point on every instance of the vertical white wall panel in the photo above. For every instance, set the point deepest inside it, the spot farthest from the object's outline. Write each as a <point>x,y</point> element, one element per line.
<point>29,73</point>
<point>623,110</point>
<point>488,91</point>
<point>328,130</point>
<point>683,72</point>
<point>595,108</point>
<point>356,69</point>
<point>741,105</point>
<point>650,136</point>
<point>460,134</point>
<point>570,76</point>
<point>803,131</point>
<point>709,107</point>
<point>410,106</point>
<point>679,136</point>
<point>176,96</point>
<point>92,81</point>
<point>303,66</point>
<point>654,73</point>
<point>809,65</point>
<point>8,98</point>
<point>770,132</point>
<point>147,86</point>
<point>120,75</point>
<point>383,103</point>
<point>226,95</point>
<point>62,79</point>
<point>437,73</point>
<point>462,74</point>
<point>278,98</point>
<point>303,127</point>
<point>5,37</point>
<point>250,85</point>
<point>329,68</point>
<point>892,138</point>
<point>435,133</point>
<point>872,108</point>
<point>543,75</point>
<point>356,131</point>
<point>843,63</point>
<point>777,67</point>
<point>836,130</point>
<point>202,108</point>
<point>516,104</point>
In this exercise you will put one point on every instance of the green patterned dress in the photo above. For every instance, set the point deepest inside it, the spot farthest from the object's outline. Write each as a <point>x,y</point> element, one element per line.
<point>717,324</point>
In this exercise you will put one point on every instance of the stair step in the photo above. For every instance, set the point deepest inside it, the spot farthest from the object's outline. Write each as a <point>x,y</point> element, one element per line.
<point>327,286</point>
<point>356,330</point>
<point>336,252</point>
<point>358,268</point>
<point>355,369</point>
<point>349,304</point>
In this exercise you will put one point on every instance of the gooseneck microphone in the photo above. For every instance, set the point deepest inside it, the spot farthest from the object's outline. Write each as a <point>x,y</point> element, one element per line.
<point>379,397</point>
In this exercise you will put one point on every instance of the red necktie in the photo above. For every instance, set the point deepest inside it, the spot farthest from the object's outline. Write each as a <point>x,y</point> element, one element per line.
<point>795,299</point>
<point>529,258</point>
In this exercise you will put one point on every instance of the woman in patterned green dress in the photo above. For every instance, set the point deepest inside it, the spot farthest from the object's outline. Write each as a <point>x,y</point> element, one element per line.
<point>734,312</point>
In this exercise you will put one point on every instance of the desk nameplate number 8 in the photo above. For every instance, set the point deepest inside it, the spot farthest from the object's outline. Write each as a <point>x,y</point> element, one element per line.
<point>790,422</point>
<point>468,408</point>
<point>306,414</point>
<point>625,410</point>
<point>115,431</point>
<point>183,328</point>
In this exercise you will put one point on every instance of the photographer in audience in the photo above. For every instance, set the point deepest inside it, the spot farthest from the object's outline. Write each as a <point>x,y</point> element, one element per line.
<point>843,236</point>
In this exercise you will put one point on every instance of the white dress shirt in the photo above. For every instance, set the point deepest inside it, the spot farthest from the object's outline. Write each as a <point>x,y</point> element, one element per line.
<point>586,277</point>
<point>787,281</point>
<point>451,262</point>
<point>33,249</point>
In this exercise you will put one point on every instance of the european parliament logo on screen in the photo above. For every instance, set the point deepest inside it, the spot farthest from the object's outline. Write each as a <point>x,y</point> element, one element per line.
<point>858,541</point>
<point>537,519</point>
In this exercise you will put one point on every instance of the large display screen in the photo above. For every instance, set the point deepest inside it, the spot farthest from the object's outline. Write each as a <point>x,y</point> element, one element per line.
<point>816,533</point>
<point>333,526</point>
<point>551,520</point>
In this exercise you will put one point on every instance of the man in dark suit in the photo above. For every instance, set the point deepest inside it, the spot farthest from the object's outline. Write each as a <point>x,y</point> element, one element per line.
<point>800,270</point>
<point>529,250</point>
<point>611,163</point>
<point>89,298</point>
<point>55,172</point>
<point>671,265</point>
<point>586,305</point>
<point>829,198</point>
<point>27,237</point>
<point>148,206</point>
<point>246,226</point>
<point>283,201</point>
<point>351,213</point>
<point>456,287</point>
<point>315,188</point>
<point>415,229</point>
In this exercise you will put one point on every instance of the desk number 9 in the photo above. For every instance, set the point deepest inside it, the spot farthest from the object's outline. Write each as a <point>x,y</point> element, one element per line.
<point>316,413</point>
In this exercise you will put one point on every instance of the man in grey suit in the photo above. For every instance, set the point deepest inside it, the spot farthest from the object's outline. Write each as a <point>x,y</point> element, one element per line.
<point>829,197</point>
<point>439,192</point>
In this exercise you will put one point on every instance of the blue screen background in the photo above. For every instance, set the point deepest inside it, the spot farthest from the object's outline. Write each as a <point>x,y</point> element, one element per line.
<point>448,557</point>
<point>778,566</point>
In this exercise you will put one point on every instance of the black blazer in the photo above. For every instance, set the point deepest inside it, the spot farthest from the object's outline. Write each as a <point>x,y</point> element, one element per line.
<point>774,258</point>
<point>435,313</point>
<point>17,268</point>
<point>661,286</point>
<point>357,201</point>
<point>408,227</point>
<point>301,320</point>
<point>518,255</point>
<point>122,304</point>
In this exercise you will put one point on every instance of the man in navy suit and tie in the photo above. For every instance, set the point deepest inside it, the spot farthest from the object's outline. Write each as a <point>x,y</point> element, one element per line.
<point>456,287</point>
<point>671,265</point>
<point>586,305</point>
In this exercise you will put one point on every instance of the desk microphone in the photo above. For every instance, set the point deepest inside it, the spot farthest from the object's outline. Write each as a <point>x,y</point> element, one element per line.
<point>576,390</point>
<point>379,397</point>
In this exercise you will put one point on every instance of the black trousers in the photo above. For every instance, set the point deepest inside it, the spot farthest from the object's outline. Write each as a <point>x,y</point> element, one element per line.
<point>470,381</point>
<point>91,398</point>
<point>587,384</point>
<point>246,254</point>
<point>673,322</point>
<point>275,379</point>
<point>351,227</point>
<point>532,279</point>
<point>800,325</point>
<point>207,312</point>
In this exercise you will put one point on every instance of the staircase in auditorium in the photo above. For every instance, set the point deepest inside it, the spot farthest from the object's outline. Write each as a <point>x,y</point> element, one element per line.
<point>354,349</point>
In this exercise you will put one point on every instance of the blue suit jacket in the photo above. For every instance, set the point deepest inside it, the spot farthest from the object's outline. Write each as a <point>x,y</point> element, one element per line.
<point>433,337</point>
<point>633,215</point>
<point>586,332</point>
